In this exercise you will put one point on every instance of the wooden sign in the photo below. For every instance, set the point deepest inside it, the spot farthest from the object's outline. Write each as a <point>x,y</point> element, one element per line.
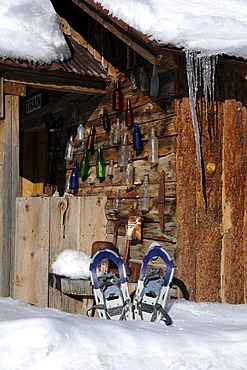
<point>33,103</point>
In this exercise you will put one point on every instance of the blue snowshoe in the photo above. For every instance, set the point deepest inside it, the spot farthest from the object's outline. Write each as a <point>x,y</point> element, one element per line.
<point>152,288</point>
<point>110,291</point>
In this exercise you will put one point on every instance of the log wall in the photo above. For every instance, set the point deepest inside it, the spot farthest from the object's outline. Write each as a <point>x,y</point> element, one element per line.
<point>211,221</point>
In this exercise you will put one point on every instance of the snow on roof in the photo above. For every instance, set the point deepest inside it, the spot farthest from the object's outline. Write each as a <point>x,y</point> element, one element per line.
<point>211,27</point>
<point>29,30</point>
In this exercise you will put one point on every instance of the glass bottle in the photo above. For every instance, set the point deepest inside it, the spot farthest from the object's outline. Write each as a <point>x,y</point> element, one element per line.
<point>154,83</point>
<point>144,200</point>
<point>90,140</point>
<point>123,153</point>
<point>129,117</point>
<point>100,166</point>
<point>153,150</point>
<point>137,138</point>
<point>80,132</point>
<point>133,82</point>
<point>84,165</point>
<point>69,150</point>
<point>143,80</point>
<point>116,133</point>
<point>117,202</point>
<point>111,169</point>
<point>106,120</point>
<point>66,186</point>
<point>129,172</point>
<point>117,99</point>
<point>73,181</point>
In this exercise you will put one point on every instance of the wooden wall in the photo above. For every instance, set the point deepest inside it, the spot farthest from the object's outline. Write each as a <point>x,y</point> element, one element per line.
<point>211,254</point>
<point>160,114</point>
<point>46,226</point>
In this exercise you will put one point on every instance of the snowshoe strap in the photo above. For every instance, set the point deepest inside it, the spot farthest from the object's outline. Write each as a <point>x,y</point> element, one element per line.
<point>165,317</point>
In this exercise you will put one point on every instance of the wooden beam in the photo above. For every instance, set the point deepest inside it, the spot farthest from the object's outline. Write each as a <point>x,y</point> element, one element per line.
<point>55,80</point>
<point>65,88</point>
<point>122,34</point>
<point>13,88</point>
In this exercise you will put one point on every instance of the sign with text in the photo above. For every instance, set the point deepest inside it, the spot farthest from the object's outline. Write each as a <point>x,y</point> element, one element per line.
<point>33,103</point>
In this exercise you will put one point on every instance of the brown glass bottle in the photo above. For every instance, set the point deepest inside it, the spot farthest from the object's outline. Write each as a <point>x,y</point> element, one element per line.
<point>106,120</point>
<point>117,99</point>
<point>90,140</point>
<point>129,117</point>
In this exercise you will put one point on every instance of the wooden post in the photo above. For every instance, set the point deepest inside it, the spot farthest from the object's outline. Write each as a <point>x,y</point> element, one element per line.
<point>9,186</point>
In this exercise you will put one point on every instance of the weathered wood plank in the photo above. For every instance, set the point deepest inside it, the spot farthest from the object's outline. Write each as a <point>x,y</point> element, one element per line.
<point>9,185</point>
<point>31,253</point>
<point>76,222</point>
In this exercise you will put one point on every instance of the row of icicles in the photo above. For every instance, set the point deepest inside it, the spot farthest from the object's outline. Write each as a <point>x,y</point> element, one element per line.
<point>200,73</point>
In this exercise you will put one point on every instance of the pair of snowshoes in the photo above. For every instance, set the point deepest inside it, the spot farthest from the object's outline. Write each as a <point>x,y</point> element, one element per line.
<point>111,292</point>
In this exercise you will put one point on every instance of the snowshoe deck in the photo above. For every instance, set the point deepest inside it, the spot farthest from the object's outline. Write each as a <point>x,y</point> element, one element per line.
<point>111,292</point>
<point>152,288</point>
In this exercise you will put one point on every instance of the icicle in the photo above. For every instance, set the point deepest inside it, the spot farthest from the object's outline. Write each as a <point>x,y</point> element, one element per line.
<point>192,76</point>
<point>200,73</point>
<point>208,77</point>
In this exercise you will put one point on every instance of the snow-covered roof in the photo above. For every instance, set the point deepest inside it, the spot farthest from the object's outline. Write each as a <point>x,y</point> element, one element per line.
<point>212,27</point>
<point>29,30</point>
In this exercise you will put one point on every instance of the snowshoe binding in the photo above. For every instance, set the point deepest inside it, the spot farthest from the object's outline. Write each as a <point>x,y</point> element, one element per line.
<point>110,291</point>
<point>152,288</point>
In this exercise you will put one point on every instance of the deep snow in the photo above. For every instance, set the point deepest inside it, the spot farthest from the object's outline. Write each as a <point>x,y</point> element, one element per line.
<point>203,336</point>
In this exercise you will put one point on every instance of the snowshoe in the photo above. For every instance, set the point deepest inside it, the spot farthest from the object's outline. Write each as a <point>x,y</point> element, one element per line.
<point>152,288</point>
<point>110,291</point>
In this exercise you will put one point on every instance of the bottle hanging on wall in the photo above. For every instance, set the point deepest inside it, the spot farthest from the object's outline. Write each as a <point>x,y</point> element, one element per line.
<point>90,140</point>
<point>117,98</point>
<point>69,150</point>
<point>129,172</point>
<point>111,169</point>
<point>123,153</point>
<point>143,80</point>
<point>84,165</point>
<point>154,83</point>
<point>80,132</point>
<point>153,150</point>
<point>129,117</point>
<point>116,133</point>
<point>100,165</point>
<point>73,182</point>
<point>137,138</point>
<point>117,202</point>
<point>144,200</point>
<point>106,120</point>
<point>133,82</point>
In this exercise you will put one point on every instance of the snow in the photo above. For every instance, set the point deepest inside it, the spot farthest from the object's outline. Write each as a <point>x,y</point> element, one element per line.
<point>72,264</point>
<point>203,336</point>
<point>29,30</point>
<point>211,27</point>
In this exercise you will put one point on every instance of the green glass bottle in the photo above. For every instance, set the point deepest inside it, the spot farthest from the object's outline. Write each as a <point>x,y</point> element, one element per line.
<point>100,166</point>
<point>84,165</point>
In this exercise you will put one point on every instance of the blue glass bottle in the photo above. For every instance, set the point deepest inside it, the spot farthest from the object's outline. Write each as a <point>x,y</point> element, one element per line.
<point>137,138</point>
<point>74,177</point>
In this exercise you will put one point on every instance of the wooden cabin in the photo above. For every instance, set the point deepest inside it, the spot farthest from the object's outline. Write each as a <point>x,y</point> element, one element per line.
<point>204,223</point>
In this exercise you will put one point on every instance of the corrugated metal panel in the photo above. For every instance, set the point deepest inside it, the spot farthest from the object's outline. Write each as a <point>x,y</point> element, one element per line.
<point>83,62</point>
